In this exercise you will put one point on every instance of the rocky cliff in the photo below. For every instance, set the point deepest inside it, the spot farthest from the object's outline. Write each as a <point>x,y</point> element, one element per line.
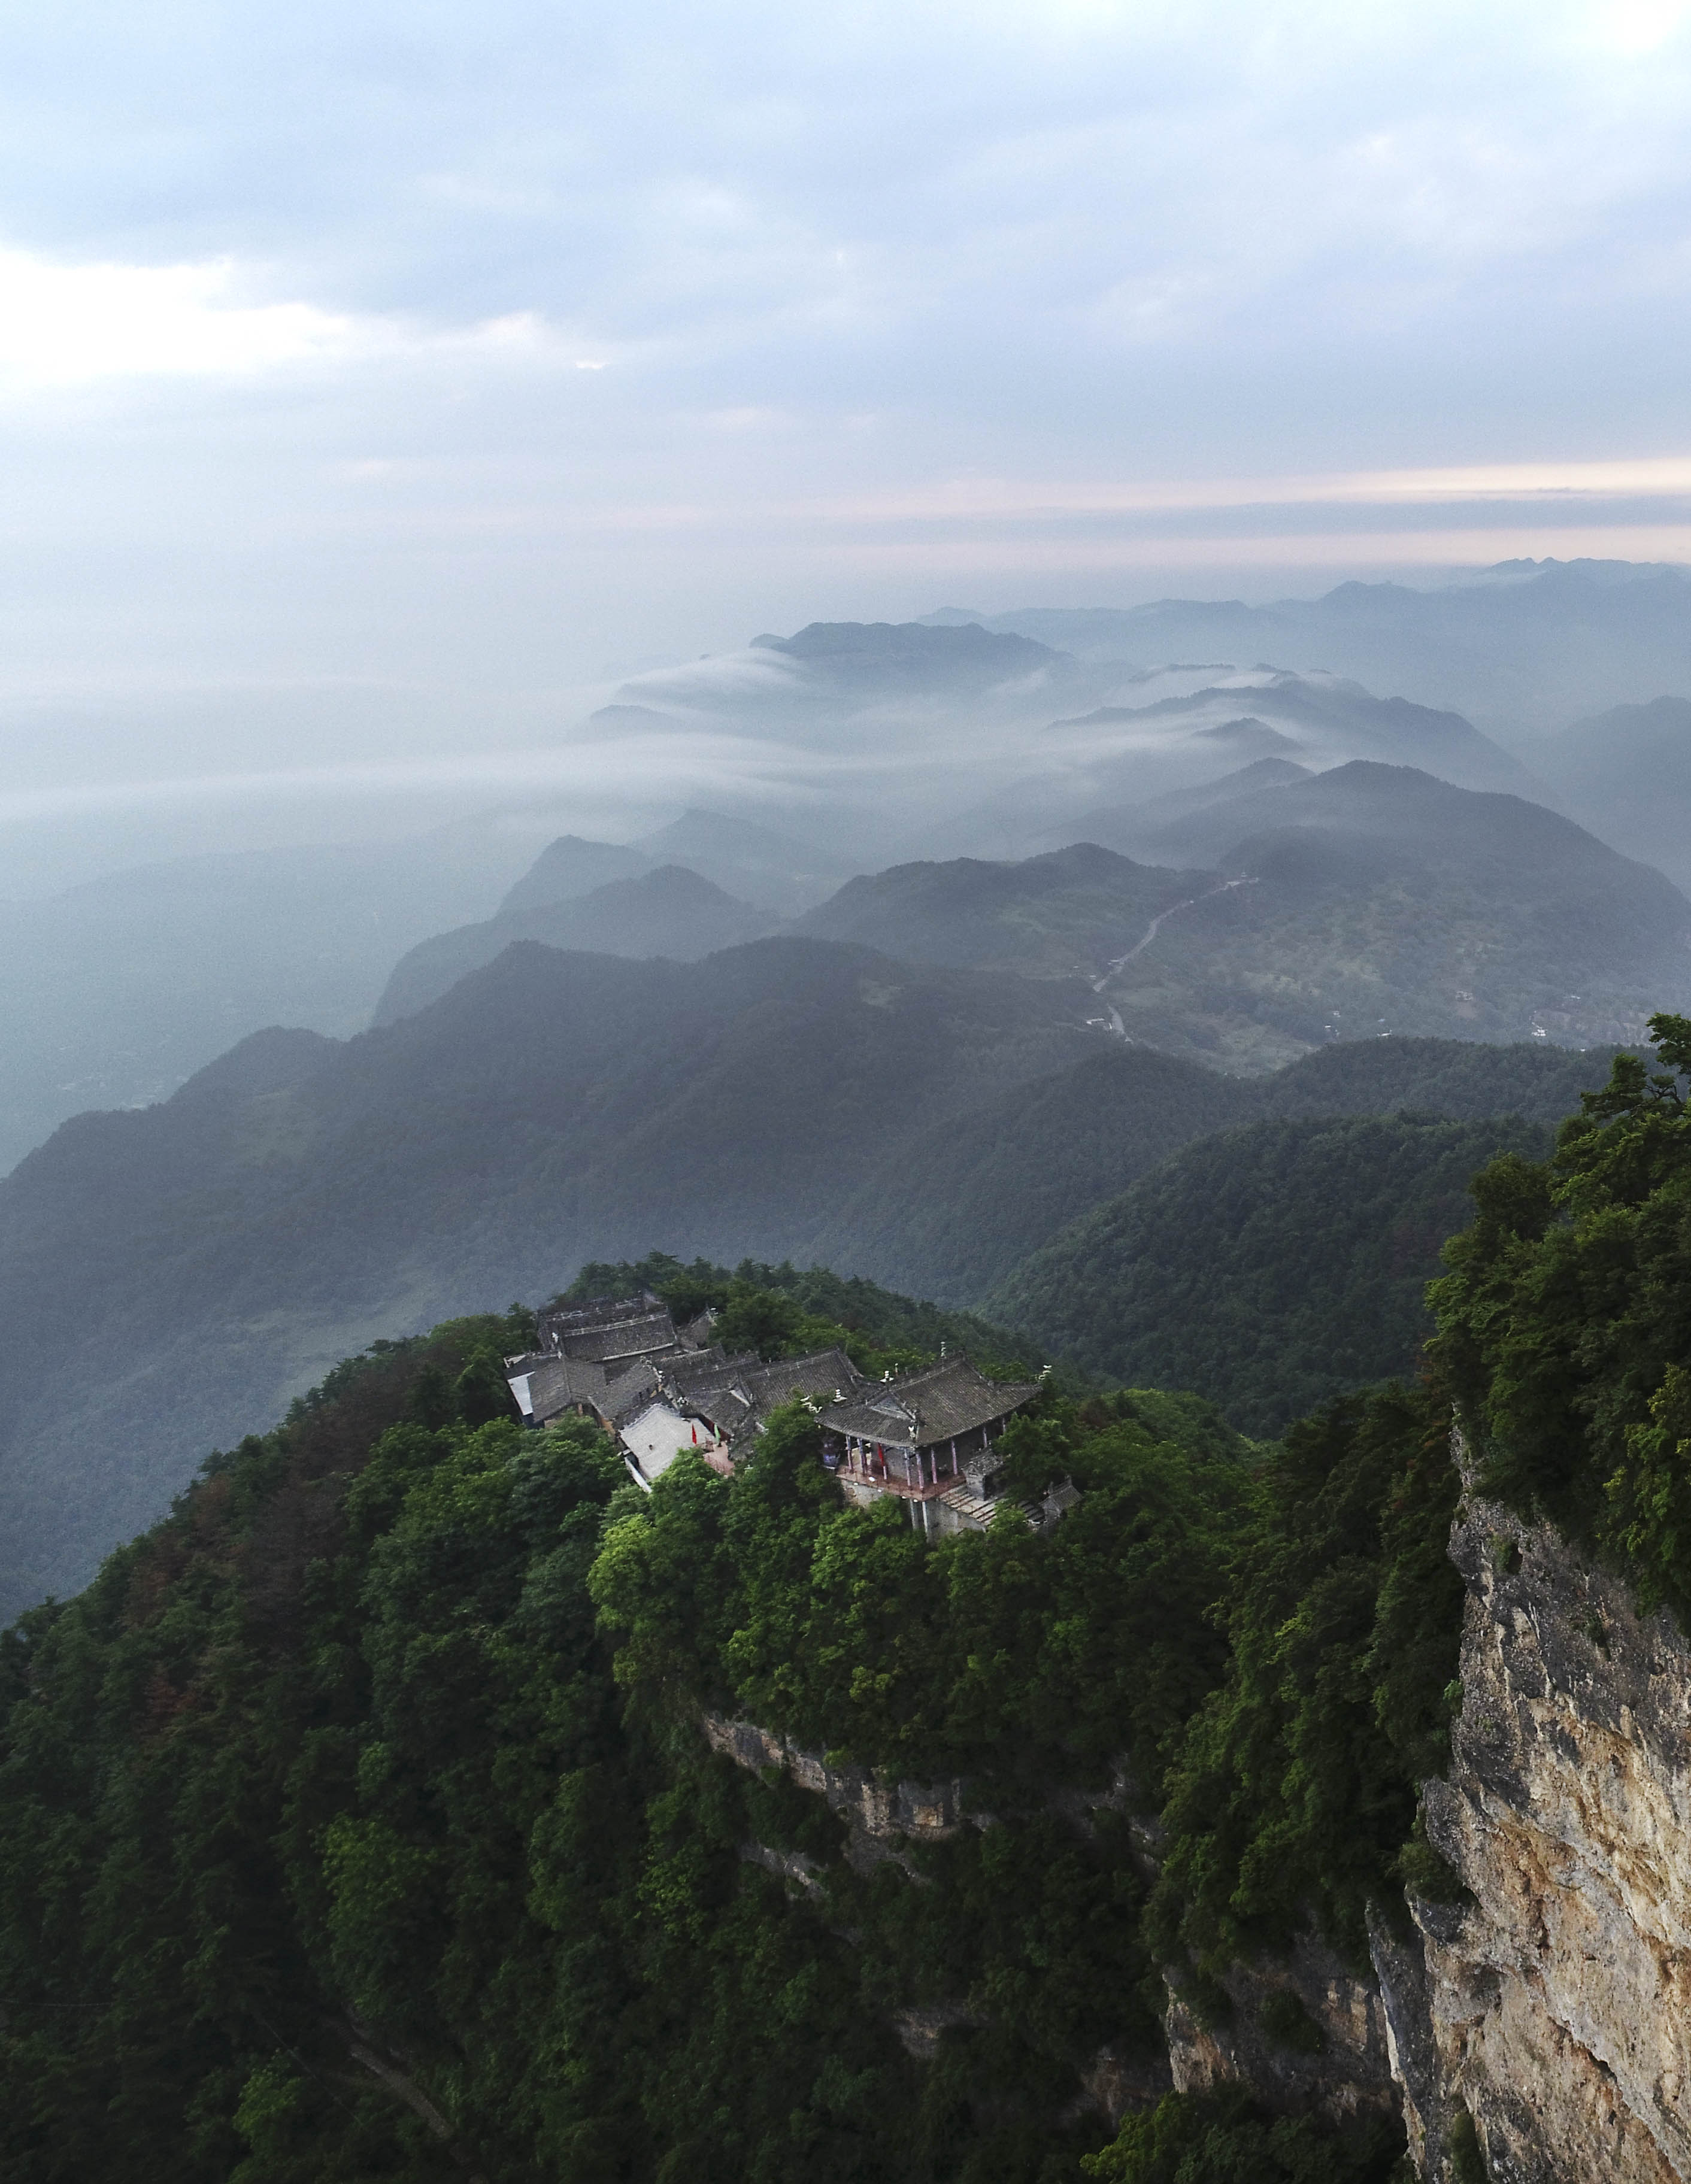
<point>1554,2007</point>
<point>1537,2020</point>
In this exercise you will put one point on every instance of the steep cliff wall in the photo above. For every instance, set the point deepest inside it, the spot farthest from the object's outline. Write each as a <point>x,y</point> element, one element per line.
<point>1543,2022</point>
<point>1556,2006</point>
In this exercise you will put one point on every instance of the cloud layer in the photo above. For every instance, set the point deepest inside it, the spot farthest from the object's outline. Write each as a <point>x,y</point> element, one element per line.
<point>380,383</point>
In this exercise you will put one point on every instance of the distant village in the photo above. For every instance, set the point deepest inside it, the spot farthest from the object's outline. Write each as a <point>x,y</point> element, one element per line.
<point>929,1438</point>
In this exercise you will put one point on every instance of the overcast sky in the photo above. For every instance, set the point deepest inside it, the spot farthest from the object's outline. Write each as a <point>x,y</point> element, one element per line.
<point>377,382</point>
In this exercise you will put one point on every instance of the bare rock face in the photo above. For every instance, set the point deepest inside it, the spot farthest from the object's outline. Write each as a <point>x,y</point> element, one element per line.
<point>879,1813</point>
<point>1555,2007</point>
<point>1305,2032</point>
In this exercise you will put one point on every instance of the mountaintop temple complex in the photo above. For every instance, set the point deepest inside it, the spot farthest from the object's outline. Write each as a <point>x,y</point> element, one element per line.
<point>927,1438</point>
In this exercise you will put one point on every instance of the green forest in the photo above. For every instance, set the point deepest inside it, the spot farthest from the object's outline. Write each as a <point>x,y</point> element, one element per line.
<point>1269,1267</point>
<point>358,1822</point>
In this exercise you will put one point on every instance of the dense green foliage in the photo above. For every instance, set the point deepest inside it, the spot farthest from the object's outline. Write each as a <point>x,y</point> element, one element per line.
<point>1294,1792</point>
<point>338,1843</point>
<point>1269,1267</point>
<point>1226,2138</point>
<point>1565,1324</point>
<point>335,1848</point>
<point>1000,1655</point>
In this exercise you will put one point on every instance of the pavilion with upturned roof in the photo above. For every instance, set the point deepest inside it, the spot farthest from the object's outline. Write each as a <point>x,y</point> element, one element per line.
<point>925,1436</point>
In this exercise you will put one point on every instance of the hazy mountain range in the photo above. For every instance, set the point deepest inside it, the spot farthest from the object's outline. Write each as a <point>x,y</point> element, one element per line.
<point>1136,906</point>
<point>303,1196</point>
<point>881,745</point>
<point>1523,648</point>
<point>1262,920</point>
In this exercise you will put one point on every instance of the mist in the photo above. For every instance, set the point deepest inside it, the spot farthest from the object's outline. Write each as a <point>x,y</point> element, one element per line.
<point>379,395</point>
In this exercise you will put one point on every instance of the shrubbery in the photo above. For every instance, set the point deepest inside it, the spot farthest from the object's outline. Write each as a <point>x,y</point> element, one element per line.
<point>1565,1324</point>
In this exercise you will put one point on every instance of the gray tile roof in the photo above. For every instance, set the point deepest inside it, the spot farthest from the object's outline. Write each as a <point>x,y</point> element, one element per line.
<point>595,1312</point>
<point>703,1369</point>
<point>934,1403</point>
<point>558,1385</point>
<point>653,1332</point>
<point>739,1401</point>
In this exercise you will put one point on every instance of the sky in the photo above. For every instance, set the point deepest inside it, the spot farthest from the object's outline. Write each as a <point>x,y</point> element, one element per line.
<point>379,386</point>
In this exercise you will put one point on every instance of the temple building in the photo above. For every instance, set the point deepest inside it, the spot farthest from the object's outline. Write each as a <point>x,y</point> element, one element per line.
<point>927,1438</point>
<point>600,1358</point>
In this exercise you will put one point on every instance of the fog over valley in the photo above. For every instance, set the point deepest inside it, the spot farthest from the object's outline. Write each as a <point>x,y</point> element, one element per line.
<point>849,748</point>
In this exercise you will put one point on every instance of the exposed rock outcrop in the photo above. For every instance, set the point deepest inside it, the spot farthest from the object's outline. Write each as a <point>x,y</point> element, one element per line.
<point>1308,2033</point>
<point>1547,2011</point>
<point>1556,2006</point>
<point>880,1815</point>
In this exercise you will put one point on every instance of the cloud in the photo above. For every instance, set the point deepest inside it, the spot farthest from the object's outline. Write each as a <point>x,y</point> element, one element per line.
<point>463,351</point>
<point>72,325</point>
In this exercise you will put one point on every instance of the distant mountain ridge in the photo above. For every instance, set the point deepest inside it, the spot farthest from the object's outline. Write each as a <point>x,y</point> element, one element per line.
<point>1240,922</point>
<point>1534,647</point>
<point>667,911</point>
<point>808,685</point>
<point>1068,911</point>
<point>877,655</point>
<point>302,1197</point>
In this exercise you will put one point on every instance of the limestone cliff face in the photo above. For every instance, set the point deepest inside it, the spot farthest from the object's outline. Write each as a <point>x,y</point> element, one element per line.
<point>1556,2006</point>
<point>1548,2013</point>
<point>880,1814</point>
<point>1330,2051</point>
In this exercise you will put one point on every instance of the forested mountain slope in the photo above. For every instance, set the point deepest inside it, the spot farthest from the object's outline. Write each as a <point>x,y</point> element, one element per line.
<point>393,1731</point>
<point>953,1214</point>
<point>1269,1268</point>
<point>209,1256</point>
<point>667,911</point>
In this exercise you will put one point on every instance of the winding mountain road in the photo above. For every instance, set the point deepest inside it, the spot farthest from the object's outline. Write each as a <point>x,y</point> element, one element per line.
<point>1156,925</point>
